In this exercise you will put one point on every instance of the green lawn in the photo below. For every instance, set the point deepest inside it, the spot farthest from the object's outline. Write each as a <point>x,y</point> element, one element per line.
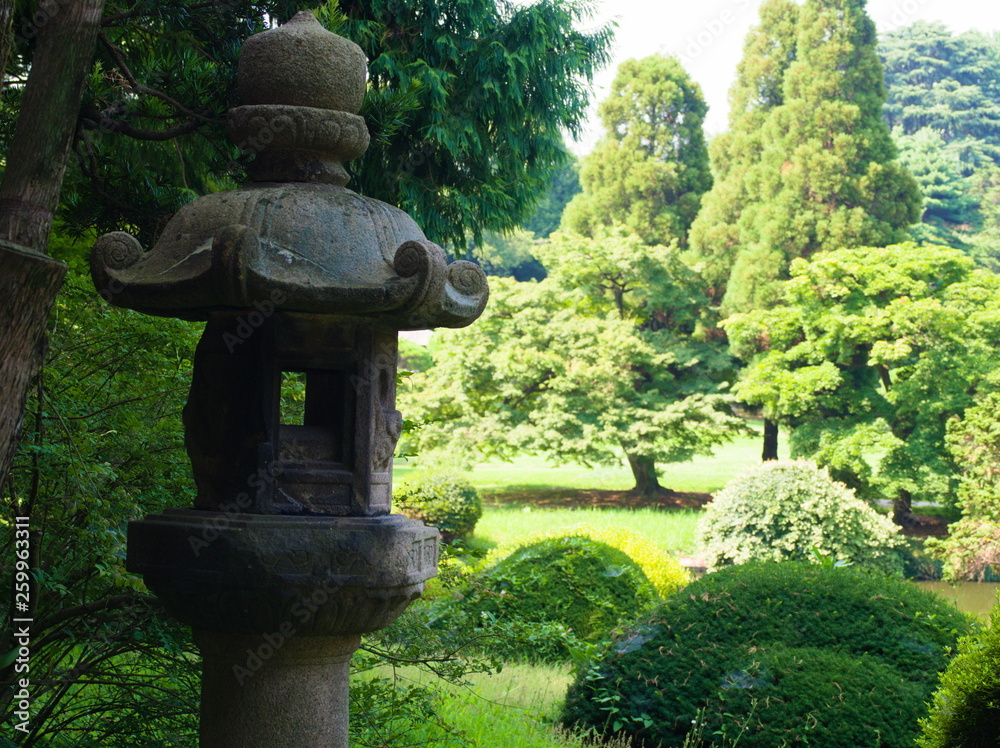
<point>525,473</point>
<point>672,530</point>
<point>516,707</point>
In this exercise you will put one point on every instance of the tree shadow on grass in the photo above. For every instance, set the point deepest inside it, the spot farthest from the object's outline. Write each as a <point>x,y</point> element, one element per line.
<point>582,498</point>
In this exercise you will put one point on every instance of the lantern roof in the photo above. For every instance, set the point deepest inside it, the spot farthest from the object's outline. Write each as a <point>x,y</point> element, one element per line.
<point>295,236</point>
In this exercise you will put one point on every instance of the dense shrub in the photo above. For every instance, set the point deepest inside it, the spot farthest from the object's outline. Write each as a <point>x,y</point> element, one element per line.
<point>761,701</point>
<point>966,707</point>
<point>564,585</point>
<point>449,503</point>
<point>794,510</point>
<point>739,647</point>
<point>660,567</point>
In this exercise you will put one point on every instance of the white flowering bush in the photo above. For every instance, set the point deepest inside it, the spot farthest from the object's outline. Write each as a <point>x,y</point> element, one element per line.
<point>793,510</point>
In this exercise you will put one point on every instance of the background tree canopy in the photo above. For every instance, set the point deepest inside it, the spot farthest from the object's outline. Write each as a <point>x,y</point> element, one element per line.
<point>650,169</point>
<point>868,357</point>
<point>466,106</point>
<point>607,358</point>
<point>825,174</point>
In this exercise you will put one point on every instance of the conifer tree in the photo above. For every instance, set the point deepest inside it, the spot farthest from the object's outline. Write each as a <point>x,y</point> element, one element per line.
<point>650,169</point>
<point>767,52</point>
<point>827,176</point>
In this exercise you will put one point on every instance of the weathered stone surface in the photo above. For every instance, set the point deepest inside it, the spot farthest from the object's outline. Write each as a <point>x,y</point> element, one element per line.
<point>251,573</point>
<point>289,555</point>
<point>296,228</point>
<point>325,249</point>
<point>301,63</point>
<point>274,691</point>
<point>338,460</point>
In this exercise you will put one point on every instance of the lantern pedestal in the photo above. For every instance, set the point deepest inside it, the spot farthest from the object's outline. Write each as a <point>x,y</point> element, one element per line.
<point>278,604</point>
<point>272,692</point>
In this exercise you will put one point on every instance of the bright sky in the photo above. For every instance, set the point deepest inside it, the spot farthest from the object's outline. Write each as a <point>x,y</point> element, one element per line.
<point>707,36</point>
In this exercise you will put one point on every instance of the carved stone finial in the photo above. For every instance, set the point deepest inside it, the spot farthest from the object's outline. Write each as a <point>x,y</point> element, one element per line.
<point>302,64</point>
<point>301,87</point>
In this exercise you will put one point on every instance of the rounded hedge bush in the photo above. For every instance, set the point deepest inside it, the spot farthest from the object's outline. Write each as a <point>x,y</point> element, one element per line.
<point>445,501</point>
<point>739,647</point>
<point>966,707</point>
<point>574,582</point>
<point>661,568</point>
<point>793,510</point>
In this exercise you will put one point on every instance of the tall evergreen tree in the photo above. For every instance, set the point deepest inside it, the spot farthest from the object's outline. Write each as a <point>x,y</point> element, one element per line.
<point>942,80</point>
<point>827,176</point>
<point>650,169</point>
<point>949,207</point>
<point>767,52</point>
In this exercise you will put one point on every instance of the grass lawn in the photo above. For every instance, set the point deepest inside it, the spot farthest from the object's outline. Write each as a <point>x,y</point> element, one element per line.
<point>510,515</point>
<point>673,531</point>
<point>527,473</point>
<point>517,707</point>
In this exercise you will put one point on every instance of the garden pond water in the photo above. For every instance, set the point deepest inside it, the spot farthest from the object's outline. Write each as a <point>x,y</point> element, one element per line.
<point>969,597</point>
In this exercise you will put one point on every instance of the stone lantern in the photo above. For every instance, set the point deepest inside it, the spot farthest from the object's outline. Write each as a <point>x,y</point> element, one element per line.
<point>290,552</point>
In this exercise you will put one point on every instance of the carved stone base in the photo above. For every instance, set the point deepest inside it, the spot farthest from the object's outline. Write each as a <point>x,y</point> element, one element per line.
<point>261,574</point>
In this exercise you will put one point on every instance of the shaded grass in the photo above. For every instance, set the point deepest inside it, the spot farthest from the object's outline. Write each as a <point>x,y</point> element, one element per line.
<point>516,708</point>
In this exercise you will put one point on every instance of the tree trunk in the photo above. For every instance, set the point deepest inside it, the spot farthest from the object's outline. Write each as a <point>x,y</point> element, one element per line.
<point>770,441</point>
<point>902,509</point>
<point>644,471</point>
<point>29,195</point>
<point>6,35</point>
<point>28,285</point>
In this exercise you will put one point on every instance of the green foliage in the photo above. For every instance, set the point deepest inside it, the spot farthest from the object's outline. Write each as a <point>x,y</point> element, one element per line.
<point>944,81</point>
<point>768,50</point>
<point>650,169</point>
<point>466,105</point>
<point>826,174</point>
<point>608,353</point>
<point>443,500</point>
<point>102,444</point>
<point>548,213</point>
<point>949,206</point>
<point>815,697</point>
<point>413,356</point>
<point>755,645</point>
<point>584,586</point>
<point>152,130</point>
<point>793,510</point>
<point>943,87</point>
<point>972,547</point>
<point>493,85</point>
<point>509,256</point>
<point>872,353</point>
<point>966,707</point>
<point>661,568</point>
